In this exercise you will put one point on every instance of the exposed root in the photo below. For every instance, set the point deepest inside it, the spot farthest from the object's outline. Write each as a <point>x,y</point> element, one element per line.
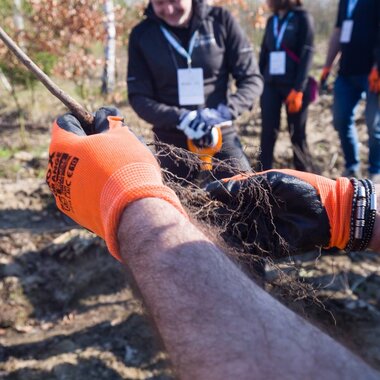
<point>245,230</point>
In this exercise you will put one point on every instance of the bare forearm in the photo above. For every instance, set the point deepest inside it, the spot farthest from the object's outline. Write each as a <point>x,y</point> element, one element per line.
<point>334,47</point>
<point>214,321</point>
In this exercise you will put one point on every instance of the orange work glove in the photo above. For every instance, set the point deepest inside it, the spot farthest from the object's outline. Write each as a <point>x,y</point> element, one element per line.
<point>324,76</point>
<point>305,210</point>
<point>294,101</point>
<point>94,178</point>
<point>374,80</point>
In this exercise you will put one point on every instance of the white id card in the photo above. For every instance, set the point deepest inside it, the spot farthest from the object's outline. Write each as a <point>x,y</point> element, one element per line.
<point>190,87</point>
<point>346,32</point>
<point>277,63</point>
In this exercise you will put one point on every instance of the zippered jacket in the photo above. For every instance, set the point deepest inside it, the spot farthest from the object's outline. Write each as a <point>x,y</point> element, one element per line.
<point>298,44</point>
<point>221,49</point>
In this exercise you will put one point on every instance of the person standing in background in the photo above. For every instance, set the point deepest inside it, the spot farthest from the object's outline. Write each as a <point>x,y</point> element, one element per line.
<point>356,36</point>
<point>181,58</point>
<point>285,60</point>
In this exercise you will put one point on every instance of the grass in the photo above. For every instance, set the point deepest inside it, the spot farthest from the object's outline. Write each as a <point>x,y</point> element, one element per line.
<point>6,153</point>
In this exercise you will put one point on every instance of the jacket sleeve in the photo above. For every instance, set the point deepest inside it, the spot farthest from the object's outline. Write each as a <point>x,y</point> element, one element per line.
<point>264,52</point>
<point>243,67</point>
<point>340,15</point>
<point>306,41</point>
<point>377,46</point>
<point>141,90</point>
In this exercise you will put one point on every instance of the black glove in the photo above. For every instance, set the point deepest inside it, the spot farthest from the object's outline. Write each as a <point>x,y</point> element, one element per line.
<point>70,123</point>
<point>285,211</point>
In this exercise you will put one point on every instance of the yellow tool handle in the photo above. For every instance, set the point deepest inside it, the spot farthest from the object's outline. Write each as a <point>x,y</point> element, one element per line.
<point>206,153</point>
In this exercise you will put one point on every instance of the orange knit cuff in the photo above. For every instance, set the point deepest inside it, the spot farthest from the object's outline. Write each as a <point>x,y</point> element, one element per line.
<point>131,183</point>
<point>338,206</point>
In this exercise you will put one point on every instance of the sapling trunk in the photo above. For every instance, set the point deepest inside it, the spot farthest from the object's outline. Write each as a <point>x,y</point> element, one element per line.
<point>77,109</point>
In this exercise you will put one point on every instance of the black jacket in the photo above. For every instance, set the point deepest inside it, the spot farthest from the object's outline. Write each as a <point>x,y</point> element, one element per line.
<point>359,55</point>
<point>221,50</point>
<point>298,41</point>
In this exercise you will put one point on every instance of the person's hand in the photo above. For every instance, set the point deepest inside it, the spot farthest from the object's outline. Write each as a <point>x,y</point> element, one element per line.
<point>191,125</point>
<point>374,80</point>
<point>94,178</point>
<point>216,116</point>
<point>324,76</point>
<point>211,139</point>
<point>294,101</point>
<point>198,125</point>
<point>303,209</point>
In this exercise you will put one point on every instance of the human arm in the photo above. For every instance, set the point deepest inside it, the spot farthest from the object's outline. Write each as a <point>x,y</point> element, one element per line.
<point>94,176</point>
<point>333,48</point>
<point>334,41</point>
<point>214,321</point>
<point>374,76</point>
<point>286,211</point>
<point>306,42</point>
<point>156,113</point>
<point>377,44</point>
<point>243,67</point>
<point>305,45</point>
<point>264,51</point>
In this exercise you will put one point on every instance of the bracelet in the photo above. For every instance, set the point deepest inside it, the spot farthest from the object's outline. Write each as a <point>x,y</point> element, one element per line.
<point>371,214</point>
<point>363,215</point>
<point>354,183</point>
<point>366,213</point>
<point>360,214</point>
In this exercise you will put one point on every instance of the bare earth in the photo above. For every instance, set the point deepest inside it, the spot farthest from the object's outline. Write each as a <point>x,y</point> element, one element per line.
<point>66,306</point>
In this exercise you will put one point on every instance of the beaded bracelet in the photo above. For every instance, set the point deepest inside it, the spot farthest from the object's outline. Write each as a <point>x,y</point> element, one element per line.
<point>354,183</point>
<point>360,214</point>
<point>371,214</point>
<point>363,215</point>
<point>367,188</point>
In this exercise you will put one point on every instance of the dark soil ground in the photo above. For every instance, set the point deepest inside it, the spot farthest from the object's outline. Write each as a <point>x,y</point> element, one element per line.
<point>66,306</point>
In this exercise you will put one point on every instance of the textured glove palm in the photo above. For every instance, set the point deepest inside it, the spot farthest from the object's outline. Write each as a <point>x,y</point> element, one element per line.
<point>302,209</point>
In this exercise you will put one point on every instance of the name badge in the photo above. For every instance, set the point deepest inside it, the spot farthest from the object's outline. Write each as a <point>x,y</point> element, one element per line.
<point>190,87</point>
<point>346,33</point>
<point>277,63</point>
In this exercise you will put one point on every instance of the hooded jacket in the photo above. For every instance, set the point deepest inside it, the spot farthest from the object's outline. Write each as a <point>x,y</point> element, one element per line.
<point>221,50</point>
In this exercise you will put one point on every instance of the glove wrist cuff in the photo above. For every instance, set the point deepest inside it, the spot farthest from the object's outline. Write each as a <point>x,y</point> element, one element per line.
<point>339,209</point>
<point>131,183</point>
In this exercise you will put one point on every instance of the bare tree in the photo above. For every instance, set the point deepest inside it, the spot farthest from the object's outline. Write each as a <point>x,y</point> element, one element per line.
<point>18,17</point>
<point>18,21</point>
<point>108,79</point>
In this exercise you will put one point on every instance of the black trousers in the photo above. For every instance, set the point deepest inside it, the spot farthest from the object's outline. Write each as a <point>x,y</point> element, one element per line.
<point>231,154</point>
<point>271,102</point>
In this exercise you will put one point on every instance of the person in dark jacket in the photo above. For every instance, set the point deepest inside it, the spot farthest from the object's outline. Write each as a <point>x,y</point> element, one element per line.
<point>285,60</point>
<point>181,58</point>
<point>356,38</point>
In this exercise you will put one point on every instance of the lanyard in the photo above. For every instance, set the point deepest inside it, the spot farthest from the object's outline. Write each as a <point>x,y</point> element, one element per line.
<point>279,34</point>
<point>180,49</point>
<point>351,7</point>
